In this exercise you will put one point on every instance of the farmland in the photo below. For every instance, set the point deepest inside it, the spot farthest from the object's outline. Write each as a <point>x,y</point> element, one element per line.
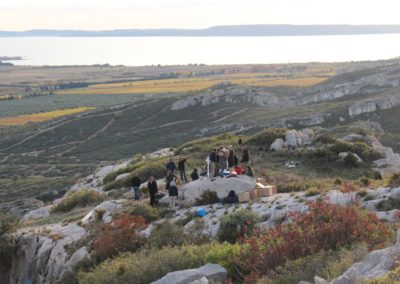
<point>182,85</point>
<point>39,117</point>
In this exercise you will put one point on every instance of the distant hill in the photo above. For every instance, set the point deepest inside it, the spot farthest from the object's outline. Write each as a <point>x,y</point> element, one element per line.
<point>238,30</point>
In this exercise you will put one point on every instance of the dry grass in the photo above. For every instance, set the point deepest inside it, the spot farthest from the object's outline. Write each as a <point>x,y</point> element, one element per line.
<point>195,84</point>
<point>39,117</point>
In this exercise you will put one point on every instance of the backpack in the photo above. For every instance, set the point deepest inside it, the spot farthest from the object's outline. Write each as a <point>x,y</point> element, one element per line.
<point>232,198</point>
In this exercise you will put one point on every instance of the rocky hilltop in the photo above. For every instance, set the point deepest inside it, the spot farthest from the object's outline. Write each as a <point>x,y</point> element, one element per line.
<point>49,248</point>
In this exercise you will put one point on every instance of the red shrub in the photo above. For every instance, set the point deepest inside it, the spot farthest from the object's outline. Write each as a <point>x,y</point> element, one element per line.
<point>325,226</point>
<point>119,236</point>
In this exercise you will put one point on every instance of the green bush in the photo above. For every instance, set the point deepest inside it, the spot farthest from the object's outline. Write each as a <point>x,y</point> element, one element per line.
<point>146,266</point>
<point>150,214</point>
<point>237,224</point>
<point>224,254</point>
<point>166,234</point>
<point>78,199</point>
<point>350,161</point>
<point>325,139</point>
<point>266,137</point>
<point>326,264</point>
<point>8,225</point>
<point>312,192</point>
<point>207,197</point>
<point>292,187</point>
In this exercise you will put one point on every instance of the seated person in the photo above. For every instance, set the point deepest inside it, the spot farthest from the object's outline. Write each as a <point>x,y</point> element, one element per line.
<point>194,175</point>
<point>239,170</point>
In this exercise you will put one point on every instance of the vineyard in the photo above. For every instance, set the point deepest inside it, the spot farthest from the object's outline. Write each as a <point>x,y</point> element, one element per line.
<point>182,85</point>
<point>12,108</point>
<point>39,117</point>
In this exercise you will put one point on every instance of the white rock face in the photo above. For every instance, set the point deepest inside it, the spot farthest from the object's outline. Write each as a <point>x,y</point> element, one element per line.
<point>213,273</point>
<point>37,214</point>
<point>279,144</point>
<point>122,176</point>
<point>239,184</point>
<point>377,264</point>
<point>343,155</point>
<point>108,207</point>
<point>43,259</point>
<point>360,108</point>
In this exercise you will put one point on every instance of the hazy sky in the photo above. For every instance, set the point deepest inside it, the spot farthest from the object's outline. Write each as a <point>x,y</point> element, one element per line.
<point>111,14</point>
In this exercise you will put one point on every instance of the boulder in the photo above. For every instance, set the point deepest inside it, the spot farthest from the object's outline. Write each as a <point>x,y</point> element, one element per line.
<point>319,280</point>
<point>37,214</point>
<point>377,264</point>
<point>355,138</point>
<point>239,184</point>
<point>343,155</point>
<point>278,144</point>
<point>291,138</point>
<point>122,176</point>
<point>42,257</point>
<point>211,272</point>
<point>107,207</point>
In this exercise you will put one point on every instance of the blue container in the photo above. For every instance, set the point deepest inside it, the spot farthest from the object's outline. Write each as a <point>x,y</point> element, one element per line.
<point>201,212</point>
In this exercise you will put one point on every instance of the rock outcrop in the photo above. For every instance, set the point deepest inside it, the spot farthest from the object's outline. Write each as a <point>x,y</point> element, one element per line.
<point>103,211</point>
<point>209,273</point>
<point>41,255</point>
<point>222,186</point>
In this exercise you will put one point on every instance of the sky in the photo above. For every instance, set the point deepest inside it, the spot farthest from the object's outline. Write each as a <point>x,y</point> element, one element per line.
<point>17,15</point>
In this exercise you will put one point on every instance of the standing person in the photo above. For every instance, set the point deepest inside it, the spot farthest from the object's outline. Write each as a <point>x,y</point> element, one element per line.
<point>213,163</point>
<point>173,195</point>
<point>250,171</point>
<point>231,158</point>
<point>170,177</point>
<point>136,185</point>
<point>194,175</point>
<point>152,186</point>
<point>246,157</point>
<point>222,160</point>
<point>182,169</point>
<point>171,165</point>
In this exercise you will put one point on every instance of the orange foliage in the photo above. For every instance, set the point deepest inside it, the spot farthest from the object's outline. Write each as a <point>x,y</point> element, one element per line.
<point>120,236</point>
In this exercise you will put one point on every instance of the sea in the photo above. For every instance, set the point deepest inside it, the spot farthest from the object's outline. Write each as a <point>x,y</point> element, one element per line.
<point>143,51</point>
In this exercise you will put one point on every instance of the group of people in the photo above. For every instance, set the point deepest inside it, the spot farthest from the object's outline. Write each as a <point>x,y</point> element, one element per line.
<point>225,159</point>
<point>220,162</point>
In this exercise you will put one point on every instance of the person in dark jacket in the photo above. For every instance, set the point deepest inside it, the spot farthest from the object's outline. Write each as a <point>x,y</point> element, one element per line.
<point>213,163</point>
<point>152,186</point>
<point>170,177</point>
<point>182,169</point>
<point>194,175</point>
<point>136,185</point>
<point>246,157</point>
<point>231,158</point>
<point>171,165</point>
<point>173,195</point>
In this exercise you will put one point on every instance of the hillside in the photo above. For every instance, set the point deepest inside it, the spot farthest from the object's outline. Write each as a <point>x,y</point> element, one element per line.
<point>37,158</point>
<point>81,237</point>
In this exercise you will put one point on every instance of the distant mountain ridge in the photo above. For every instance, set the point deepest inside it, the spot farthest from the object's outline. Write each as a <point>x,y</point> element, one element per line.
<point>237,30</point>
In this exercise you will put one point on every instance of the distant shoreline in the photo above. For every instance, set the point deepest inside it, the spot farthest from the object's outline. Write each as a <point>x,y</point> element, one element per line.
<point>218,31</point>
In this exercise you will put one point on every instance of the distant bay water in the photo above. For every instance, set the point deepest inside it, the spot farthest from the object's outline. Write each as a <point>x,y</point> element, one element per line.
<point>140,51</point>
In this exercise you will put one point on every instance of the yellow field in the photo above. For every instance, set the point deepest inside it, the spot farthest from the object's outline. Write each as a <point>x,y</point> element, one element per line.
<point>200,83</point>
<point>39,117</point>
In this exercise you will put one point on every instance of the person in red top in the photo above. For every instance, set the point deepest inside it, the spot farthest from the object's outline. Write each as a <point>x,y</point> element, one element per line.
<point>239,170</point>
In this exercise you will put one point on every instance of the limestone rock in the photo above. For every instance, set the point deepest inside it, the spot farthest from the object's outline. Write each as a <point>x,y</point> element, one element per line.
<point>108,207</point>
<point>222,186</point>
<point>122,176</point>
<point>37,214</point>
<point>278,144</point>
<point>212,272</point>
<point>377,264</point>
<point>343,155</point>
<point>355,138</point>
<point>319,280</point>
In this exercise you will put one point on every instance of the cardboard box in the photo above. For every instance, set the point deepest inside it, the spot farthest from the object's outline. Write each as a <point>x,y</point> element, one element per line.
<point>244,197</point>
